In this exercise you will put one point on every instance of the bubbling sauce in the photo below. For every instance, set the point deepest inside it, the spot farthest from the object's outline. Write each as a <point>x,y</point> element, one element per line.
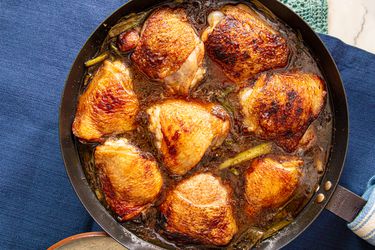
<point>217,88</point>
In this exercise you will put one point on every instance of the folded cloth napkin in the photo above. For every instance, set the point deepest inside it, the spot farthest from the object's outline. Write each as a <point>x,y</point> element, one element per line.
<point>364,224</point>
<point>39,41</point>
<point>314,12</point>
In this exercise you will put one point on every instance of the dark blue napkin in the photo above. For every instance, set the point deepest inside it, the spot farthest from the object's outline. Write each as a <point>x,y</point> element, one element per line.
<point>39,41</point>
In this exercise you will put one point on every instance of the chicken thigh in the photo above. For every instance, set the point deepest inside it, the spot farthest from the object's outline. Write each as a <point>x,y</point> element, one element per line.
<point>130,179</point>
<point>170,51</point>
<point>185,130</point>
<point>270,182</point>
<point>242,43</point>
<point>281,106</point>
<point>108,106</point>
<point>199,208</point>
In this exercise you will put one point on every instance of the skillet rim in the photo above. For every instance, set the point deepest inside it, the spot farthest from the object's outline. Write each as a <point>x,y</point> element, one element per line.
<point>308,214</point>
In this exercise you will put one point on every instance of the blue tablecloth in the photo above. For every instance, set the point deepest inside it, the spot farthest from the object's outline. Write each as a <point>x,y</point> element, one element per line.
<point>39,41</point>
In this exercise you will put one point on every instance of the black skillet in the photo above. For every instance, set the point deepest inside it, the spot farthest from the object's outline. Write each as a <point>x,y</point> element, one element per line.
<point>337,199</point>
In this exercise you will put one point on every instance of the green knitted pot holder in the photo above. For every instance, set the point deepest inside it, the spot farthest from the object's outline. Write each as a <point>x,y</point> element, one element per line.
<point>314,12</point>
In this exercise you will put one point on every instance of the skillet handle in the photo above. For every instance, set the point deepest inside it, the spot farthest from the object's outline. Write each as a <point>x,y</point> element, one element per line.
<point>345,204</point>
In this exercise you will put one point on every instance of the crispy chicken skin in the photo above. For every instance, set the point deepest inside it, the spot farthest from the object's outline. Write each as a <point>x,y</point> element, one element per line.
<point>243,44</point>
<point>108,106</point>
<point>130,179</point>
<point>170,51</point>
<point>185,130</point>
<point>281,106</point>
<point>270,182</point>
<point>199,208</point>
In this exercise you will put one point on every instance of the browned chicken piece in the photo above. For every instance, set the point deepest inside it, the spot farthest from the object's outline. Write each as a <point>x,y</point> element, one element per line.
<point>170,51</point>
<point>108,106</point>
<point>242,43</point>
<point>199,208</point>
<point>281,106</point>
<point>128,40</point>
<point>185,130</point>
<point>130,179</point>
<point>270,182</point>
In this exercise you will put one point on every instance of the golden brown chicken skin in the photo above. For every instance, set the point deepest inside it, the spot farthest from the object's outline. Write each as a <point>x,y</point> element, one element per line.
<point>243,44</point>
<point>108,106</point>
<point>130,179</point>
<point>199,208</point>
<point>270,182</point>
<point>170,51</point>
<point>184,131</point>
<point>281,106</point>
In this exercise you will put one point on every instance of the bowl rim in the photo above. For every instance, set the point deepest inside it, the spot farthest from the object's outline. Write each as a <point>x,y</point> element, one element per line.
<point>75,237</point>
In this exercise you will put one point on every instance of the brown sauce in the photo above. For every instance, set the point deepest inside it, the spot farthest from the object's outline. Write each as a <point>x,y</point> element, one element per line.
<point>217,88</point>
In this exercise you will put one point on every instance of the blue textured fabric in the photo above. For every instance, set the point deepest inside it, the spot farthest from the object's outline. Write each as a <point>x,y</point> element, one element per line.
<point>39,41</point>
<point>364,224</point>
